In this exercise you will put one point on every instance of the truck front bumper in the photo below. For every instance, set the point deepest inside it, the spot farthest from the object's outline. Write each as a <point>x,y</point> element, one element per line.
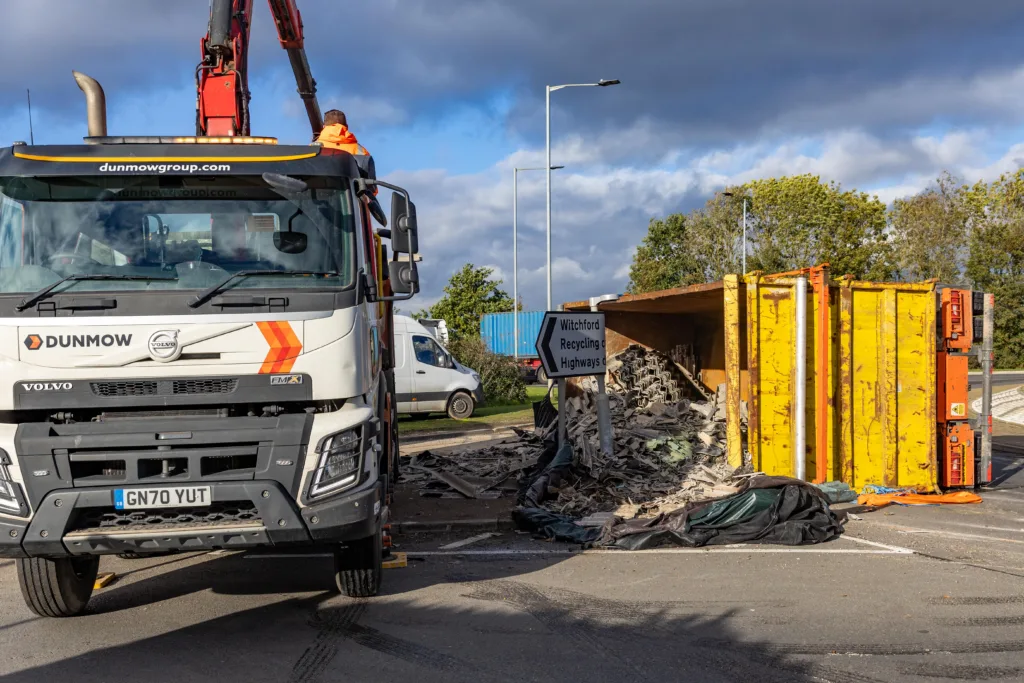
<point>244,515</point>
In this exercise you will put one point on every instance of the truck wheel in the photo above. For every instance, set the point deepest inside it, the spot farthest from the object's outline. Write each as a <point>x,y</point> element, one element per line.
<point>358,566</point>
<point>542,377</point>
<point>460,406</point>
<point>57,588</point>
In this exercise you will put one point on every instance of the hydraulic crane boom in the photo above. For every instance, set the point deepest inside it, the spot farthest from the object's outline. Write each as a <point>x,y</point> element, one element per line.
<point>289,31</point>
<point>222,106</point>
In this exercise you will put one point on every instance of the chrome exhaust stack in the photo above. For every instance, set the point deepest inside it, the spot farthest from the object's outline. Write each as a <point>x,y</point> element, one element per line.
<point>95,104</point>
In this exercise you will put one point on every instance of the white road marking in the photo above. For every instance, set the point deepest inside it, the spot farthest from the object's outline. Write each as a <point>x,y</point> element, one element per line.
<point>1018,530</point>
<point>878,549</point>
<point>468,541</point>
<point>947,534</point>
<point>1002,498</point>
<point>894,548</point>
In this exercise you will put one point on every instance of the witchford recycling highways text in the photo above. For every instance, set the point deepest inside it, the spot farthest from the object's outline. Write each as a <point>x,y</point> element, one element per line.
<point>580,344</point>
<point>578,324</point>
<point>572,364</point>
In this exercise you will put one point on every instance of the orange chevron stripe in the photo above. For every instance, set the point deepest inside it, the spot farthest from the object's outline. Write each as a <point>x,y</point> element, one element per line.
<point>284,347</point>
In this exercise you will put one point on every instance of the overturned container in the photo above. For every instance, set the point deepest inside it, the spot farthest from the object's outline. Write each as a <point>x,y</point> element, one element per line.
<point>825,379</point>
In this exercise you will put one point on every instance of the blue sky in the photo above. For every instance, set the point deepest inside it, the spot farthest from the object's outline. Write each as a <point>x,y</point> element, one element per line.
<point>882,95</point>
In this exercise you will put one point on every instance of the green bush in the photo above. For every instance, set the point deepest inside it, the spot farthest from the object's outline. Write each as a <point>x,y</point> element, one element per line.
<point>503,383</point>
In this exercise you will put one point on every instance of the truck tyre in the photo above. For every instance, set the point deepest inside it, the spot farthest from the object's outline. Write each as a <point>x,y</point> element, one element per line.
<point>57,588</point>
<point>460,406</point>
<point>542,377</point>
<point>358,566</point>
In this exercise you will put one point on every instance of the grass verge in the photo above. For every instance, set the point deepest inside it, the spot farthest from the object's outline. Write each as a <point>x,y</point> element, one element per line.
<point>483,418</point>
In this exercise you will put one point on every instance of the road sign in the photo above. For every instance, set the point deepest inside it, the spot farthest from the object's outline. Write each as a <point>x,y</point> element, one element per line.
<point>572,344</point>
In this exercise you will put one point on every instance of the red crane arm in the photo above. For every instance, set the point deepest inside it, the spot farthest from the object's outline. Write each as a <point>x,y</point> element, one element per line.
<point>289,31</point>
<point>222,82</point>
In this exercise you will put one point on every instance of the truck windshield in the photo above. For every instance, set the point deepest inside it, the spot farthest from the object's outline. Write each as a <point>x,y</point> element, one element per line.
<point>173,233</point>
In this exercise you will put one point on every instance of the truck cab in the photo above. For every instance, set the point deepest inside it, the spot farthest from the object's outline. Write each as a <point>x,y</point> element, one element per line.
<point>196,341</point>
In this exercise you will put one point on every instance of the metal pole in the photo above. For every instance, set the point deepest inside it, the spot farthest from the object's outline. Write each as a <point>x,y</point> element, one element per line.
<point>744,268</point>
<point>800,379</point>
<point>561,410</point>
<point>547,171</point>
<point>987,361</point>
<point>604,415</point>
<point>515,264</point>
<point>31,133</point>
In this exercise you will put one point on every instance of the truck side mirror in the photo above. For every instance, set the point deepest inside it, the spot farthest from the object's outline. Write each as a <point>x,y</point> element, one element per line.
<point>404,238</point>
<point>405,279</point>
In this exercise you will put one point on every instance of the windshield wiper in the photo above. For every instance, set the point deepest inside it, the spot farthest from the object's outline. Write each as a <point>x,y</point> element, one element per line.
<point>77,277</point>
<point>205,295</point>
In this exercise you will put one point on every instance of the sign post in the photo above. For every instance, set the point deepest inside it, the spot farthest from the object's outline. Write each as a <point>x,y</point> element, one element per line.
<point>573,345</point>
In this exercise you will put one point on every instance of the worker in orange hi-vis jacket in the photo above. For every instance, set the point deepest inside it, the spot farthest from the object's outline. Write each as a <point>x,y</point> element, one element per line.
<point>337,135</point>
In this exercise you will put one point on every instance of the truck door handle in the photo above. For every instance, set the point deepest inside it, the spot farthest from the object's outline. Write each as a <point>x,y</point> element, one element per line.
<point>421,372</point>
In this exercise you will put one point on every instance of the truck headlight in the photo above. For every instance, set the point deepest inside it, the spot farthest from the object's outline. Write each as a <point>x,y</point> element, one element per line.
<point>341,460</point>
<point>10,500</point>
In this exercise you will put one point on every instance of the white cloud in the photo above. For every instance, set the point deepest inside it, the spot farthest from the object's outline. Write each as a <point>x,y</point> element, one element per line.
<point>601,211</point>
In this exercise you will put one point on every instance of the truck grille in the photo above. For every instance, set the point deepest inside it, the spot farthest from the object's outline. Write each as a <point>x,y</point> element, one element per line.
<point>221,513</point>
<point>204,386</point>
<point>178,387</point>
<point>109,389</point>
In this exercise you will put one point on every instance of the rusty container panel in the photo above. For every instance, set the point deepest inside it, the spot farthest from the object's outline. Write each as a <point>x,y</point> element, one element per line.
<point>772,340</point>
<point>892,391</point>
<point>879,396</point>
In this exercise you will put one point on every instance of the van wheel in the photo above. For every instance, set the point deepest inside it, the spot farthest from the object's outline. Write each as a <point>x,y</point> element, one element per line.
<point>57,588</point>
<point>358,566</point>
<point>460,406</point>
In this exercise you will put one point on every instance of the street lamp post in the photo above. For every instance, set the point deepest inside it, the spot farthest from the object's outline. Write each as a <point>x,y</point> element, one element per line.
<point>547,146</point>
<point>743,257</point>
<point>515,251</point>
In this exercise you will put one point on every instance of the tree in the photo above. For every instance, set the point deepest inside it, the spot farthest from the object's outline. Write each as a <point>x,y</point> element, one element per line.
<point>930,233</point>
<point>799,221</point>
<point>664,259</point>
<point>702,246</point>
<point>469,294</point>
<point>996,261</point>
<point>792,222</point>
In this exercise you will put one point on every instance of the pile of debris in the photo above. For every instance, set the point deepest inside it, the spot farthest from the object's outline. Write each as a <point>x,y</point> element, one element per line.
<point>668,450</point>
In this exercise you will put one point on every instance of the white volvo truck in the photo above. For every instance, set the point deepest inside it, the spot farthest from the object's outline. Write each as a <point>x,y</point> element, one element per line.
<point>196,352</point>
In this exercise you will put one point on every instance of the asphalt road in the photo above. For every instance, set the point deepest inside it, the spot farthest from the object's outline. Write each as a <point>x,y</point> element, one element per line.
<point>907,594</point>
<point>999,378</point>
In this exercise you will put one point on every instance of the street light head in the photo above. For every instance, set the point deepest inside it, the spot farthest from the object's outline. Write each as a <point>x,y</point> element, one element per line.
<point>555,168</point>
<point>728,194</point>
<point>603,83</point>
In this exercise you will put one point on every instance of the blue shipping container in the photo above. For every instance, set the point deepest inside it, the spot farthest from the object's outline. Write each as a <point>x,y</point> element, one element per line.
<point>498,332</point>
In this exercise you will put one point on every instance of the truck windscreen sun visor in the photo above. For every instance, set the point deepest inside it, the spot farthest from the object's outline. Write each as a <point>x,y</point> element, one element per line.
<point>173,233</point>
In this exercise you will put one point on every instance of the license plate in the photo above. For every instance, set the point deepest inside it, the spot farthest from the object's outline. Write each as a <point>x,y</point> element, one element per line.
<point>162,497</point>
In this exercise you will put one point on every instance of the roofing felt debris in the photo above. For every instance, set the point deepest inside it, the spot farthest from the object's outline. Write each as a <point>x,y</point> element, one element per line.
<point>668,450</point>
<point>667,481</point>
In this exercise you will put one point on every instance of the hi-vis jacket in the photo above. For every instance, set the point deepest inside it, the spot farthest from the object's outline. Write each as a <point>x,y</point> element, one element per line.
<point>340,137</point>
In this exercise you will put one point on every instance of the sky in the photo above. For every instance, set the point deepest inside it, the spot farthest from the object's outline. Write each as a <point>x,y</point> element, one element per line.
<point>881,95</point>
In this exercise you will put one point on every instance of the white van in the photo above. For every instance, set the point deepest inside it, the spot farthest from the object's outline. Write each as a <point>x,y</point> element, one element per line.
<point>427,378</point>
